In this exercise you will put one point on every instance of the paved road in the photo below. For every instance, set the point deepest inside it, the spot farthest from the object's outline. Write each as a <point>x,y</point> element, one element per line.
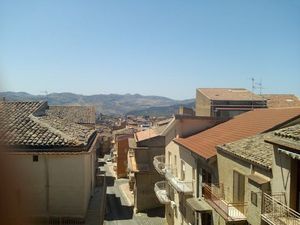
<point>118,209</point>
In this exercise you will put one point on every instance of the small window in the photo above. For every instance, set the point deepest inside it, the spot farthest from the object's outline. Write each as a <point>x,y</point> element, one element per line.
<point>35,158</point>
<point>254,198</point>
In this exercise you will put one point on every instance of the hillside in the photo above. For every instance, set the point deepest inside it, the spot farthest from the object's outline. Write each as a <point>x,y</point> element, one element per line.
<point>106,104</point>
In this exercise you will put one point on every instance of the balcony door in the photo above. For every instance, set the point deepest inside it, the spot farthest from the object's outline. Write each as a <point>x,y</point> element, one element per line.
<point>238,187</point>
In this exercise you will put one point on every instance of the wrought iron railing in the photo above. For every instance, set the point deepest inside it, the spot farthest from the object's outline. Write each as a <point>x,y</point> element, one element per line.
<point>276,212</point>
<point>214,195</point>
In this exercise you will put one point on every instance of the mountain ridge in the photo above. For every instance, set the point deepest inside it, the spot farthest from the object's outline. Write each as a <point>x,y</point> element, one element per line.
<point>104,103</point>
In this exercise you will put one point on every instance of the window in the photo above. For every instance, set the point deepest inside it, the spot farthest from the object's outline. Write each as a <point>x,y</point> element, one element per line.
<point>194,174</point>
<point>169,158</point>
<point>175,165</point>
<point>254,198</point>
<point>35,158</point>
<point>182,170</point>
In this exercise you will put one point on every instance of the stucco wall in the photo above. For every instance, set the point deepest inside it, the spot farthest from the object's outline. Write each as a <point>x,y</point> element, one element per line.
<point>202,104</point>
<point>145,197</point>
<point>59,185</point>
<point>226,165</point>
<point>281,174</point>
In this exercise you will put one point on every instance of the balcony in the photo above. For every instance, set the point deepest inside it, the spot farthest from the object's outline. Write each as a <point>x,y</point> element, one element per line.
<point>161,192</point>
<point>185,187</point>
<point>274,212</point>
<point>159,164</point>
<point>214,196</point>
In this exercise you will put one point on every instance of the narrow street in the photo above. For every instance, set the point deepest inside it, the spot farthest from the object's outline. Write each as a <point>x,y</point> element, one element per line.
<point>119,209</point>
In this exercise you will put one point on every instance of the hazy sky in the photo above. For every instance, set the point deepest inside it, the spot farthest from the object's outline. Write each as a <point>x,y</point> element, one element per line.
<point>151,47</point>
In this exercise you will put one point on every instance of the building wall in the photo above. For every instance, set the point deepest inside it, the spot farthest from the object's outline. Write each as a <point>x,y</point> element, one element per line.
<point>175,215</point>
<point>122,150</point>
<point>281,169</point>
<point>145,197</point>
<point>226,166</point>
<point>59,185</point>
<point>202,104</point>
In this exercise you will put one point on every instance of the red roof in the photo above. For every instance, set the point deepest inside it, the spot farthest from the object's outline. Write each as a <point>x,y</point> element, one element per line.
<point>241,126</point>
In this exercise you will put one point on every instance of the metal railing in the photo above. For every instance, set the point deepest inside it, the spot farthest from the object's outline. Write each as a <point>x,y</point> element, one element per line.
<point>159,164</point>
<point>275,212</point>
<point>160,189</point>
<point>186,187</point>
<point>214,195</point>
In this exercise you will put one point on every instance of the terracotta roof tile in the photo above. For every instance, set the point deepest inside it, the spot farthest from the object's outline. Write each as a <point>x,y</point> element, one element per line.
<point>281,100</point>
<point>241,126</point>
<point>27,125</point>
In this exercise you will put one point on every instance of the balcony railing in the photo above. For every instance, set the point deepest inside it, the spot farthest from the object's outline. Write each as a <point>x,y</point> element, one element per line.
<point>275,212</point>
<point>159,164</point>
<point>161,192</point>
<point>214,195</point>
<point>186,187</point>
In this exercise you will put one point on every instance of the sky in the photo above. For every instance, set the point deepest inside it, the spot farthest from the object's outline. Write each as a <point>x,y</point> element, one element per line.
<point>151,47</point>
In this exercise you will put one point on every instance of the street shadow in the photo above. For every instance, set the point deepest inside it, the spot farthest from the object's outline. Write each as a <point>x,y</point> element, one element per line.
<point>115,210</point>
<point>156,212</point>
<point>110,181</point>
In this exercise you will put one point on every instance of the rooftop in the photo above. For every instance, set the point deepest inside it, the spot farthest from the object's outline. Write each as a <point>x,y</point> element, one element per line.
<point>27,125</point>
<point>76,114</point>
<point>233,94</point>
<point>288,137</point>
<point>281,100</point>
<point>150,133</point>
<point>253,149</point>
<point>242,126</point>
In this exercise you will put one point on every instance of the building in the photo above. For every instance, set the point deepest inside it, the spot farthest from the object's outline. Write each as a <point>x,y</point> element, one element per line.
<point>192,192</point>
<point>264,180</point>
<point>148,146</point>
<point>281,100</point>
<point>226,102</point>
<point>122,147</point>
<point>56,161</point>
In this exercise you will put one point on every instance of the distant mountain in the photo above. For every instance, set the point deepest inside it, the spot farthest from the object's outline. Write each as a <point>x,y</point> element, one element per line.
<point>161,110</point>
<point>106,104</point>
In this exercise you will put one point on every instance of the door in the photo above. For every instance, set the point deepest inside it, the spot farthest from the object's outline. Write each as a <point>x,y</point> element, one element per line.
<point>238,187</point>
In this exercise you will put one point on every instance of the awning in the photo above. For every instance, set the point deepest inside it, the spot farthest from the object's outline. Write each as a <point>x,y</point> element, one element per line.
<point>293,155</point>
<point>198,205</point>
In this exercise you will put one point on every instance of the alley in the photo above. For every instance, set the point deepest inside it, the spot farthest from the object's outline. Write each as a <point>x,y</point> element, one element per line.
<point>119,209</point>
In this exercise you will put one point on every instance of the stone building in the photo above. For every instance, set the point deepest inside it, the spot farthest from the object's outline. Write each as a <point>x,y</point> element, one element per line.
<point>56,160</point>
<point>192,192</point>
<point>226,102</point>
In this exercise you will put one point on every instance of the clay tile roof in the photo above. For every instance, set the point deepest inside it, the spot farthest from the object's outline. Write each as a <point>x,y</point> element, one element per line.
<point>281,100</point>
<point>233,94</point>
<point>242,126</point>
<point>253,149</point>
<point>26,125</point>
<point>288,137</point>
<point>150,133</point>
<point>76,114</point>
